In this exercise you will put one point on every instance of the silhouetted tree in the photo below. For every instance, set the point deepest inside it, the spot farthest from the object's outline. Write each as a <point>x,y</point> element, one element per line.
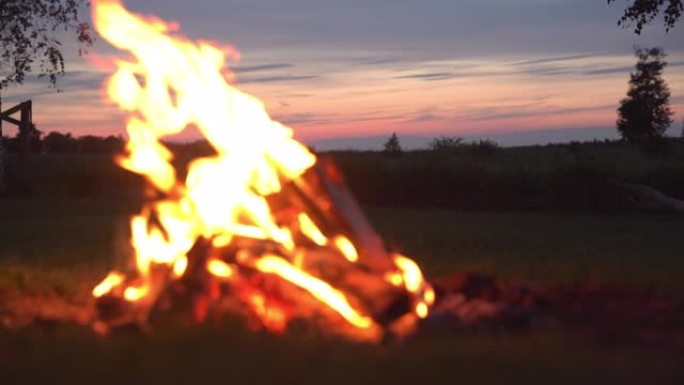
<point>58,143</point>
<point>28,30</point>
<point>645,115</point>
<point>642,12</point>
<point>392,145</point>
<point>484,147</point>
<point>446,143</point>
<point>90,144</point>
<point>20,140</point>
<point>114,143</point>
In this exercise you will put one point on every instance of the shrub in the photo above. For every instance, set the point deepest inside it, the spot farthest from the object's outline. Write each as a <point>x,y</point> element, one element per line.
<point>484,147</point>
<point>446,143</point>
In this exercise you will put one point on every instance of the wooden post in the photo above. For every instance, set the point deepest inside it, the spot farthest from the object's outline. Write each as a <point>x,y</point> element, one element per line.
<point>25,128</point>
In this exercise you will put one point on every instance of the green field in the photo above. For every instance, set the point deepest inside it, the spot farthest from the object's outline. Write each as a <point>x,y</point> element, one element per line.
<point>640,250</point>
<point>61,247</point>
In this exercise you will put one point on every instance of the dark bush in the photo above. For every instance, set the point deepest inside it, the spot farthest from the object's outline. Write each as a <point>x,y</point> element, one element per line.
<point>58,143</point>
<point>97,145</point>
<point>446,143</point>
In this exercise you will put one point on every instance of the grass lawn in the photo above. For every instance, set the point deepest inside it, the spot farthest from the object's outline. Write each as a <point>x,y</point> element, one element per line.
<point>231,354</point>
<point>64,246</point>
<point>641,250</point>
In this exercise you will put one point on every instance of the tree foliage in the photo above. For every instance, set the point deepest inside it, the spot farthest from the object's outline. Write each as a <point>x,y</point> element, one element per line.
<point>28,34</point>
<point>455,144</point>
<point>392,145</point>
<point>642,12</point>
<point>645,114</point>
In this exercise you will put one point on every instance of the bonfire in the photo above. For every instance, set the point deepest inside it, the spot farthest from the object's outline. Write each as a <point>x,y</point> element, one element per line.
<point>260,227</point>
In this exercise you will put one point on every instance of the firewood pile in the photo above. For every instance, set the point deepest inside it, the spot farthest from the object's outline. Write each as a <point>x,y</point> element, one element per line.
<point>360,273</point>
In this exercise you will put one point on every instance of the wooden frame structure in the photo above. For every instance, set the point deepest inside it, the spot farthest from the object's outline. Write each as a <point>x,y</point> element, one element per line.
<point>24,123</point>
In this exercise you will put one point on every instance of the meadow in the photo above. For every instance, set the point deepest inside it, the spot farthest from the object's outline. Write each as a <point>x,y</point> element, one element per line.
<point>62,248</point>
<point>68,226</point>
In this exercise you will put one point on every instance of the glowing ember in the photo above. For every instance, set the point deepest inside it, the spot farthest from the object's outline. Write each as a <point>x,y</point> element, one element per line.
<point>259,216</point>
<point>112,280</point>
<point>220,268</point>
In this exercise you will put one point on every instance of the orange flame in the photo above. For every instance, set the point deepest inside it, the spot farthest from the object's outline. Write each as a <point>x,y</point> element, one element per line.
<point>319,289</point>
<point>174,83</point>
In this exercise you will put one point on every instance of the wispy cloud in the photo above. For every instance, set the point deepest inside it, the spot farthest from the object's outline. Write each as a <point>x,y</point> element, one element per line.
<point>586,68</point>
<point>429,76</point>
<point>528,110</point>
<point>276,79</point>
<point>303,118</point>
<point>310,118</point>
<point>260,67</point>
<point>609,70</point>
<point>550,71</point>
<point>425,115</point>
<point>555,59</point>
<point>381,61</point>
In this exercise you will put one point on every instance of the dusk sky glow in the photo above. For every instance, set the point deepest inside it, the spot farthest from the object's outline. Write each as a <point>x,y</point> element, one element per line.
<point>349,73</point>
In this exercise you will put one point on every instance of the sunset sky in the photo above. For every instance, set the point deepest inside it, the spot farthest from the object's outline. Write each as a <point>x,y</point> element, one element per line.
<point>349,73</point>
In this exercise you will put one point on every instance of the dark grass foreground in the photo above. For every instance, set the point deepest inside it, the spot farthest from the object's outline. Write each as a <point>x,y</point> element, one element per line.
<point>58,248</point>
<point>229,353</point>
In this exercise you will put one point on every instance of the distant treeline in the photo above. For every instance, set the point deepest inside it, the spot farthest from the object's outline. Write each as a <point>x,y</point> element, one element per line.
<point>66,143</point>
<point>572,177</point>
<point>559,177</point>
<point>59,143</point>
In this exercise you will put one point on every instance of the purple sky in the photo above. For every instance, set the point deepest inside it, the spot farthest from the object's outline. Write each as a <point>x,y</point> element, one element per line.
<point>348,73</point>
